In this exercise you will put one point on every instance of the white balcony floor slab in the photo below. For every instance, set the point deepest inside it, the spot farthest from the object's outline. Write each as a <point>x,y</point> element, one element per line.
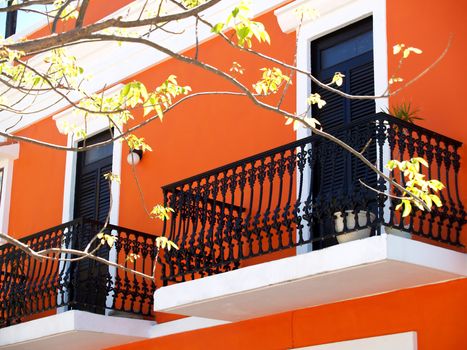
<point>79,330</point>
<point>355,269</point>
<point>73,330</point>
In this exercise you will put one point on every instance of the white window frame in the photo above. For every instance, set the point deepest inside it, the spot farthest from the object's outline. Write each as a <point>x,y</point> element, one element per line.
<point>93,126</point>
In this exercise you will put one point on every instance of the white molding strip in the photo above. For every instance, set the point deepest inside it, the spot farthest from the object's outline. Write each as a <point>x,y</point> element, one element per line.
<point>10,152</point>
<point>186,324</point>
<point>289,20</point>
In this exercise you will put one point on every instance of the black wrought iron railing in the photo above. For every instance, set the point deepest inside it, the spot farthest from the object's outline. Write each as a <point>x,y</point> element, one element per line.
<point>307,192</point>
<point>29,286</point>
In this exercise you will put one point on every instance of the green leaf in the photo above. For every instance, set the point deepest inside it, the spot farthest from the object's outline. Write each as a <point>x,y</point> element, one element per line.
<point>242,33</point>
<point>217,28</point>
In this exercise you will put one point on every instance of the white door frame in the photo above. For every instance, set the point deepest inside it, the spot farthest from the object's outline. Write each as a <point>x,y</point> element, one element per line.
<point>334,15</point>
<point>93,127</point>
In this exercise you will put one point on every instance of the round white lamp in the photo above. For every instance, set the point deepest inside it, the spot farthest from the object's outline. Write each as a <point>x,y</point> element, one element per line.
<point>134,157</point>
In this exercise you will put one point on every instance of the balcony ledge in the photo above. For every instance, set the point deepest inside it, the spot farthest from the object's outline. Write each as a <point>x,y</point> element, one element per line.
<point>74,330</point>
<point>79,330</point>
<point>352,270</point>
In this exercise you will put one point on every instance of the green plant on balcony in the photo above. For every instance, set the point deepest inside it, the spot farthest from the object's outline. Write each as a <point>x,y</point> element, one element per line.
<point>404,111</point>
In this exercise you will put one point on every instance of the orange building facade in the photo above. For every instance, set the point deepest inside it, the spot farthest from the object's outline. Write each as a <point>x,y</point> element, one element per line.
<point>261,265</point>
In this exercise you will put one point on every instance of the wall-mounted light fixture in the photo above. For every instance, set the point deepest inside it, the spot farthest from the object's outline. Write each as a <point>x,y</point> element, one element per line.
<point>134,157</point>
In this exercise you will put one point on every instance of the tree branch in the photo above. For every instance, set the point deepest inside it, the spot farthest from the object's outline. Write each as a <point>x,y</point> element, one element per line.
<point>82,13</point>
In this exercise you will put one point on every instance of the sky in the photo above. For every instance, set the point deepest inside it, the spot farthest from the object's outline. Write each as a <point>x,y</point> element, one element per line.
<point>25,19</point>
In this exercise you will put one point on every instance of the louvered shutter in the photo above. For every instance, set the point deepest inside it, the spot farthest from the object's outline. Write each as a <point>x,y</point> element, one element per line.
<point>104,194</point>
<point>92,194</point>
<point>86,194</point>
<point>92,201</point>
<point>338,172</point>
<point>362,83</point>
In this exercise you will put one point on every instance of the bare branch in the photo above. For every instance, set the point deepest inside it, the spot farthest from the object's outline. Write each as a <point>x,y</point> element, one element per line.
<point>32,46</point>
<point>82,13</point>
<point>58,15</point>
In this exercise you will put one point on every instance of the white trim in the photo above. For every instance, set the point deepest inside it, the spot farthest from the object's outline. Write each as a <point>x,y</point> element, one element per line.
<point>78,120</point>
<point>288,17</point>
<point>186,324</point>
<point>397,341</point>
<point>8,154</point>
<point>94,125</point>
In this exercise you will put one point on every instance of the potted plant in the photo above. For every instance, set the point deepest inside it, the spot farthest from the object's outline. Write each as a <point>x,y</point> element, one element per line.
<point>404,111</point>
<point>394,230</point>
<point>351,217</point>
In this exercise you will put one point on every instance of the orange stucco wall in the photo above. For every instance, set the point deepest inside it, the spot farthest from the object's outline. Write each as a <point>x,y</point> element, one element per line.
<point>436,313</point>
<point>428,24</point>
<point>38,180</point>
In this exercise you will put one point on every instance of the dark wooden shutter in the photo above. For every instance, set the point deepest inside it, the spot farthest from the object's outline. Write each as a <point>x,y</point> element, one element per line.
<point>86,203</point>
<point>362,83</point>
<point>337,173</point>
<point>92,201</point>
<point>103,205</point>
<point>92,193</point>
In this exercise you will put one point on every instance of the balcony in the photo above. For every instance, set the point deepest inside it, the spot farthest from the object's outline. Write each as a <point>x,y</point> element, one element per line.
<point>253,236</point>
<point>258,215</point>
<point>33,290</point>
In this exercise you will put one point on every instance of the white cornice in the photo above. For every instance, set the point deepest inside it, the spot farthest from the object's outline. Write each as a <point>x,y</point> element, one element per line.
<point>289,20</point>
<point>68,117</point>
<point>110,63</point>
